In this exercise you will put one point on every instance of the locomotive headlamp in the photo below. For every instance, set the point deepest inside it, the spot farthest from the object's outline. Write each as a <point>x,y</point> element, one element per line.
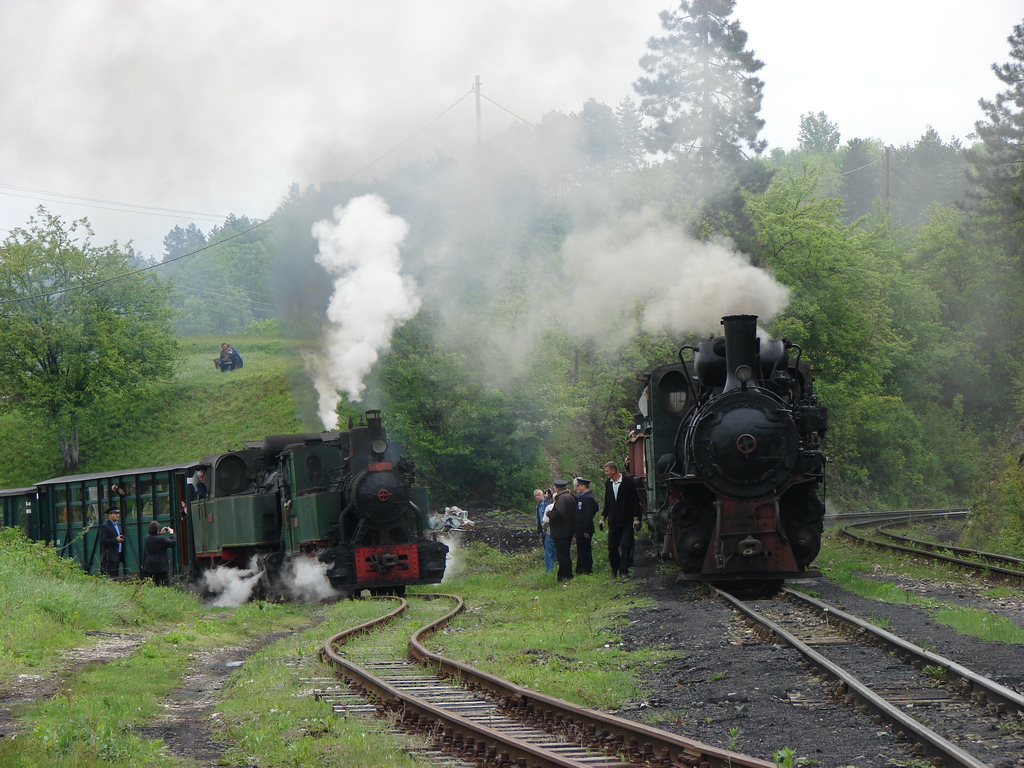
<point>744,373</point>
<point>380,445</point>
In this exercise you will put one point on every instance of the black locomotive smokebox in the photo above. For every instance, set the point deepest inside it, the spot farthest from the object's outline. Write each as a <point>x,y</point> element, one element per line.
<point>744,445</point>
<point>382,496</point>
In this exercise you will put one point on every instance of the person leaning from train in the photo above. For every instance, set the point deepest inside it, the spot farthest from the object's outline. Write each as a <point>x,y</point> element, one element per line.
<point>586,509</point>
<point>112,549</point>
<point>563,527</point>
<point>543,502</point>
<point>621,515</point>
<point>157,546</point>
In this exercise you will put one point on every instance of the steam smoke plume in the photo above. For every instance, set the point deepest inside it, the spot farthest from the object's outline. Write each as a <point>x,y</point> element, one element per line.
<point>642,271</point>
<point>371,298</point>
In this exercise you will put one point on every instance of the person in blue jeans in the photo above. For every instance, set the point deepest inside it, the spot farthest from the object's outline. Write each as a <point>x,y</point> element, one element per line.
<point>543,500</point>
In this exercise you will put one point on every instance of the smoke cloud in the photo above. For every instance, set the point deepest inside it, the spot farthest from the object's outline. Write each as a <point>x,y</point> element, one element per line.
<point>360,249</point>
<point>300,580</point>
<point>639,272</point>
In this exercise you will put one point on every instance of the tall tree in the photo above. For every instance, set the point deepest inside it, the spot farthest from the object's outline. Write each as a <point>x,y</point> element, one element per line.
<point>996,167</point>
<point>863,180</point>
<point>700,88</point>
<point>77,322</point>
<point>929,172</point>
<point>818,133</point>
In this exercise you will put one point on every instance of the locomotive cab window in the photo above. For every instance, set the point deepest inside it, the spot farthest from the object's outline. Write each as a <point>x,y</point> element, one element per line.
<point>674,392</point>
<point>314,469</point>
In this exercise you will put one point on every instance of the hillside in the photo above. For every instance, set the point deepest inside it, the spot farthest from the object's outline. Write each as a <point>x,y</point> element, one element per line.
<point>200,412</point>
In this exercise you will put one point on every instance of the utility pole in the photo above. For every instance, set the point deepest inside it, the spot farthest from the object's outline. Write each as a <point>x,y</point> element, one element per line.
<point>479,140</point>
<point>888,203</point>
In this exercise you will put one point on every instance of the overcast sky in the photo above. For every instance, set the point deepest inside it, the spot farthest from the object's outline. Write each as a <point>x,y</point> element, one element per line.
<point>216,106</point>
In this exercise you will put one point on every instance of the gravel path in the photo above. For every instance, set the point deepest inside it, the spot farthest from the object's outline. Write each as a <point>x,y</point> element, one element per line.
<point>728,689</point>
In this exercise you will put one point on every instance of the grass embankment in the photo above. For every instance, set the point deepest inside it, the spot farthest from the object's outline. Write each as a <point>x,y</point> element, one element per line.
<point>868,571</point>
<point>198,413</point>
<point>540,634</point>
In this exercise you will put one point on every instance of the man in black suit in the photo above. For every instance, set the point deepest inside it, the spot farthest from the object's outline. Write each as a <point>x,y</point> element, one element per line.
<point>622,516</point>
<point>111,544</point>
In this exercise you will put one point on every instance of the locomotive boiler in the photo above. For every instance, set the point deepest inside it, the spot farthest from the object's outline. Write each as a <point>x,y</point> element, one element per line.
<point>729,447</point>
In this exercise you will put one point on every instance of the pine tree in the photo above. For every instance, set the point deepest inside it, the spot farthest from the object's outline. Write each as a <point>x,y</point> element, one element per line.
<point>996,166</point>
<point>700,88</point>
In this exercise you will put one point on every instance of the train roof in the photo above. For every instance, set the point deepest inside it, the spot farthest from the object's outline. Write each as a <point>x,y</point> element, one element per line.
<point>16,491</point>
<point>118,473</point>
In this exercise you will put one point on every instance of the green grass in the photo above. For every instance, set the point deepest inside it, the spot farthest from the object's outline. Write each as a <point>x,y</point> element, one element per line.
<point>198,413</point>
<point>561,639</point>
<point>537,632</point>
<point>868,571</point>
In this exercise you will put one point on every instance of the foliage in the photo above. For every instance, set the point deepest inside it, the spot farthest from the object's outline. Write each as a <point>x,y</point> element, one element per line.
<point>996,167</point>
<point>872,325</point>
<point>469,439</point>
<point>818,133</point>
<point>220,278</point>
<point>700,89</point>
<point>78,323</point>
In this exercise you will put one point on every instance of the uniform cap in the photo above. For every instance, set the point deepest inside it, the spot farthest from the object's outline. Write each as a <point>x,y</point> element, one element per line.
<point>581,481</point>
<point>559,483</point>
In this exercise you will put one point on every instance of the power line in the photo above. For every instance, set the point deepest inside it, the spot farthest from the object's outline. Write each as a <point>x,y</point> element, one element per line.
<point>255,226</point>
<point>109,205</point>
<point>517,117</point>
<point>412,136</point>
<point>854,170</point>
<point>203,292</point>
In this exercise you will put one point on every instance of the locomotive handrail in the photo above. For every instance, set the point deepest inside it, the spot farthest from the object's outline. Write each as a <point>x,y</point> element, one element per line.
<point>686,371</point>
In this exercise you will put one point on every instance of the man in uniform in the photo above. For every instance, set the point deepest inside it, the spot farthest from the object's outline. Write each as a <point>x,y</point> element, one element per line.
<point>562,519</point>
<point>586,509</point>
<point>111,544</point>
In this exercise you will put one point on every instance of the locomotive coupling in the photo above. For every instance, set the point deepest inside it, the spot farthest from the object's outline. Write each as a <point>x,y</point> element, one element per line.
<point>749,547</point>
<point>384,561</point>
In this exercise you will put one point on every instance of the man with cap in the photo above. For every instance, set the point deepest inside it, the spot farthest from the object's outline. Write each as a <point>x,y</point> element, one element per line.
<point>586,508</point>
<point>111,539</point>
<point>562,518</point>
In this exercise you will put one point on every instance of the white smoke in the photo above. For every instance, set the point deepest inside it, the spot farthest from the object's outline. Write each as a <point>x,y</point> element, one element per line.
<point>454,562</point>
<point>305,581</point>
<point>641,272</point>
<point>301,580</point>
<point>230,587</point>
<point>371,298</point>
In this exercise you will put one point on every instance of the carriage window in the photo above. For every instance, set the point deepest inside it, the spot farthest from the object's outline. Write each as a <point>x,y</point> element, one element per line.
<point>126,503</point>
<point>162,494</point>
<point>75,504</point>
<point>60,504</point>
<point>92,508</point>
<point>144,484</point>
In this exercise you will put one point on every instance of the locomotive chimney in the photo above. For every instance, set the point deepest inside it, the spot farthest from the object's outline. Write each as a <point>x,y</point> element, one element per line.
<point>741,350</point>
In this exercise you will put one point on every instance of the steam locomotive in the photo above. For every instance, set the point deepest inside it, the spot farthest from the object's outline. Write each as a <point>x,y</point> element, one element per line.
<point>345,499</point>
<point>731,456</point>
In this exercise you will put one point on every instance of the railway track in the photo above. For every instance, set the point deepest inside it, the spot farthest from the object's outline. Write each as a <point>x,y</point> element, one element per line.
<point>925,698</point>
<point>975,560</point>
<point>475,718</point>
